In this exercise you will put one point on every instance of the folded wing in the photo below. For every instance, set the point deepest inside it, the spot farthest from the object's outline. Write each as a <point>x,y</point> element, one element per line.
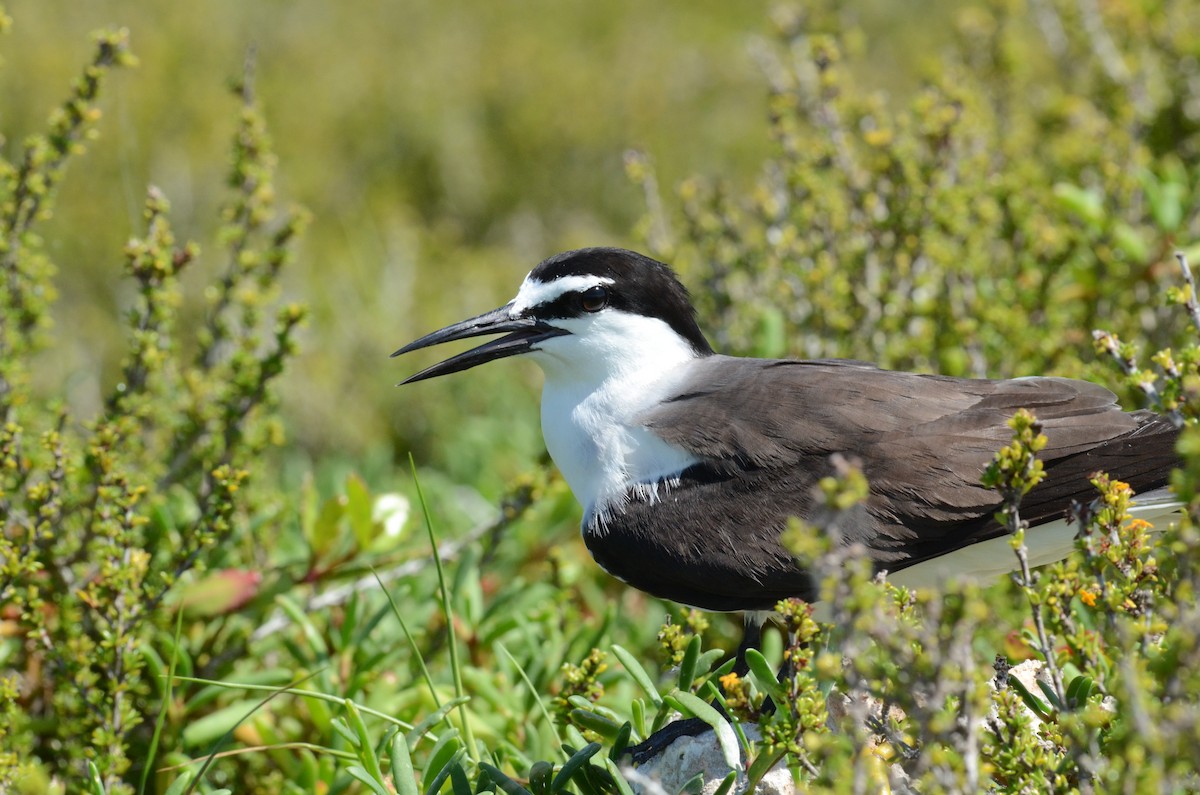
<point>765,431</point>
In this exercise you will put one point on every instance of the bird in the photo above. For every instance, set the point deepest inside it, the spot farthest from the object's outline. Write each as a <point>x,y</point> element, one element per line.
<point>689,464</point>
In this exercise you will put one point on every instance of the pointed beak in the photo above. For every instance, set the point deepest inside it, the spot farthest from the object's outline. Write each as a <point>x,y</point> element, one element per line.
<point>523,334</point>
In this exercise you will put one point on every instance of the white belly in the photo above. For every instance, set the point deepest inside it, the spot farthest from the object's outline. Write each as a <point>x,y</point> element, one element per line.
<point>991,559</point>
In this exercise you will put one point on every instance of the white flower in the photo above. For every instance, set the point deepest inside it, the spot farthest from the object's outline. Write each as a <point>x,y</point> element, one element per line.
<point>391,510</point>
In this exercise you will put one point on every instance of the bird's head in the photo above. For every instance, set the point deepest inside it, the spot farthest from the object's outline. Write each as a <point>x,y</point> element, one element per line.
<point>594,309</point>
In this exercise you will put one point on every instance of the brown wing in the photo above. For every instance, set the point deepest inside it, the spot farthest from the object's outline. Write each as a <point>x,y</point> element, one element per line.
<point>766,431</point>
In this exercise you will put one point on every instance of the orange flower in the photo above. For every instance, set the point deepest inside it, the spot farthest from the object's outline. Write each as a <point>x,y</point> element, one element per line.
<point>1087,597</point>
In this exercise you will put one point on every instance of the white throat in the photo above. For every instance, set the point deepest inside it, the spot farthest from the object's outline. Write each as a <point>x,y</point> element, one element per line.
<point>599,378</point>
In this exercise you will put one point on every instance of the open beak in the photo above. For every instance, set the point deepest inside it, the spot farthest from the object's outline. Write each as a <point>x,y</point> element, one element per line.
<point>524,334</point>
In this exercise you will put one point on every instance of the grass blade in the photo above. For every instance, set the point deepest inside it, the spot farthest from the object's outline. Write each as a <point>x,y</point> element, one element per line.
<point>447,613</point>
<point>94,781</point>
<point>537,697</point>
<point>216,746</point>
<point>162,709</point>
<point>408,636</point>
<point>295,691</point>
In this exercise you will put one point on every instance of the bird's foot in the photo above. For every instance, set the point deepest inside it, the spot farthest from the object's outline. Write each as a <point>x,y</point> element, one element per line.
<point>658,742</point>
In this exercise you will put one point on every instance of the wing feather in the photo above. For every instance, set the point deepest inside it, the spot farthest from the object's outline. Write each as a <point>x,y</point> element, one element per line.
<point>765,431</point>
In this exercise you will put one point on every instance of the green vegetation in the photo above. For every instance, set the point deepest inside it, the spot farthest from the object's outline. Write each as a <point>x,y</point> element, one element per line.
<point>216,568</point>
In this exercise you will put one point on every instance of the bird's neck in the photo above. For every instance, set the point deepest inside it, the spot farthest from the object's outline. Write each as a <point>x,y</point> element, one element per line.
<point>590,424</point>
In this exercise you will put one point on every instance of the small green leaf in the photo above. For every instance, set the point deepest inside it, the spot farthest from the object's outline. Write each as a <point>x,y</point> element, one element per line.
<point>601,725</point>
<point>362,775</point>
<point>1166,205</point>
<point>727,783</point>
<point>637,711</point>
<point>403,776</point>
<point>726,737</point>
<point>358,511</point>
<point>707,660</point>
<point>459,783</point>
<point>579,702</point>
<point>540,776</point>
<point>445,771</point>
<point>1130,242</point>
<point>340,728</point>
<point>366,750</point>
<point>622,786</point>
<point>758,768</point>
<point>1051,696</point>
<point>506,783</point>
<point>437,769</point>
<point>621,741</point>
<point>771,336</point>
<point>326,528</point>
<point>1086,204</point>
<point>638,673</point>
<point>572,765</point>
<point>687,666</point>
<point>180,784</point>
<point>1079,691</point>
<point>765,677</point>
<point>209,728</point>
<point>1035,704</point>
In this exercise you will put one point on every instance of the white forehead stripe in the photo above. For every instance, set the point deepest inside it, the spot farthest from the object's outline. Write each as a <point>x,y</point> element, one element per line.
<point>534,292</point>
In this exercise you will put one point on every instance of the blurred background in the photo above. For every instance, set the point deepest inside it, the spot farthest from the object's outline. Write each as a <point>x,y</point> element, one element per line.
<point>443,148</point>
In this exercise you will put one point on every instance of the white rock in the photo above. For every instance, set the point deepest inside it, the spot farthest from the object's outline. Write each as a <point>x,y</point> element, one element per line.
<point>679,763</point>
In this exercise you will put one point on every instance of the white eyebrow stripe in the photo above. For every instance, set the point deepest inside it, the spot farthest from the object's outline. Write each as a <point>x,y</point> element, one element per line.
<point>534,292</point>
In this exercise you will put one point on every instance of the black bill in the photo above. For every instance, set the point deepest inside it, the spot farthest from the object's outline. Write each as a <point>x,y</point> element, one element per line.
<point>525,332</point>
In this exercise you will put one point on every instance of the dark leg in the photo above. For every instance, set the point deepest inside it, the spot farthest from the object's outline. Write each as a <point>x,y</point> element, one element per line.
<point>658,742</point>
<point>751,639</point>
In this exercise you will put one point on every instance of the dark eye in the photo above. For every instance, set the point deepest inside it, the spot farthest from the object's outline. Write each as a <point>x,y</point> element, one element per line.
<point>593,299</point>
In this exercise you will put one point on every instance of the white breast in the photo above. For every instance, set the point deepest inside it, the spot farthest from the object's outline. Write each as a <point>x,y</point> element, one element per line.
<point>598,380</point>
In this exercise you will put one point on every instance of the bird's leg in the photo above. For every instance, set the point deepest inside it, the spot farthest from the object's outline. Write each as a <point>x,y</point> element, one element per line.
<point>751,639</point>
<point>658,742</point>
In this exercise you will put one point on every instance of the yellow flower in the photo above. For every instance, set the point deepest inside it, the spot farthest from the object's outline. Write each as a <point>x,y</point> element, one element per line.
<point>1087,597</point>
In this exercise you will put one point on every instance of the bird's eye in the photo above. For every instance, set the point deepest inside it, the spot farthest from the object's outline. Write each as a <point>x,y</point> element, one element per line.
<point>593,299</point>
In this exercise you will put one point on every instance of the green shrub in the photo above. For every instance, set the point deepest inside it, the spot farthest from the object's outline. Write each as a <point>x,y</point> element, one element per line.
<point>103,515</point>
<point>1033,189</point>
